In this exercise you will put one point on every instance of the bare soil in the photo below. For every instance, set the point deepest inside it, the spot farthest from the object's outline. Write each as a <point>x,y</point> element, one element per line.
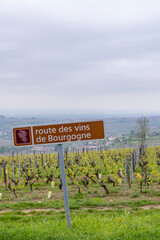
<point>62,209</point>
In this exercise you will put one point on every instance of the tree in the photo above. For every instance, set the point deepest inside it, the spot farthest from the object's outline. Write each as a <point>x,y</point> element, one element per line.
<point>142,129</point>
<point>142,132</point>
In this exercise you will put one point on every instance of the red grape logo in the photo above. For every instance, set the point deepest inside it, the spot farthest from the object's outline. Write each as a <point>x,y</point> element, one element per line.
<point>23,136</point>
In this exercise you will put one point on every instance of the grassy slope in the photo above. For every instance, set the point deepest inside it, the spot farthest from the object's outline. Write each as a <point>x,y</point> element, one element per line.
<point>90,216</point>
<point>113,224</point>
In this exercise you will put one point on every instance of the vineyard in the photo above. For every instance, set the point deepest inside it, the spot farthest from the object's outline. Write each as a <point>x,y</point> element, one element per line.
<point>105,171</point>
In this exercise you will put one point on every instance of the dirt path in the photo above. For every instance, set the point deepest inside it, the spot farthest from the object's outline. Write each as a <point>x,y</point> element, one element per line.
<point>5,210</point>
<point>150,206</point>
<point>53,209</point>
<point>42,210</point>
<point>62,209</point>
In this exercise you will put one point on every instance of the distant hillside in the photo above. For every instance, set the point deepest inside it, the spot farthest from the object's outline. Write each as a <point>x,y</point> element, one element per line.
<point>126,125</point>
<point>114,125</point>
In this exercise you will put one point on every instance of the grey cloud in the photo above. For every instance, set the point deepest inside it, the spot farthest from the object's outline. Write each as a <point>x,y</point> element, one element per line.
<point>44,53</point>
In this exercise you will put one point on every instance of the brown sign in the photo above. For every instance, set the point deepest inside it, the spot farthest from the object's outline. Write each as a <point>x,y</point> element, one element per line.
<point>66,132</point>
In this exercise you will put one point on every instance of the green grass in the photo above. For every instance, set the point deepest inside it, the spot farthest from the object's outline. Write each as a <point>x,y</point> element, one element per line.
<point>135,195</point>
<point>80,202</point>
<point>90,216</point>
<point>93,225</point>
<point>31,205</point>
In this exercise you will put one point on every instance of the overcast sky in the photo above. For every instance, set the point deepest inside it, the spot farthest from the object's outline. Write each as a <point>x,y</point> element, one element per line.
<point>80,54</point>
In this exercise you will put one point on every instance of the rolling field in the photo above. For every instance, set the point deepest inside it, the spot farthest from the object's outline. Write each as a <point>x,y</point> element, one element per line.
<point>26,212</point>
